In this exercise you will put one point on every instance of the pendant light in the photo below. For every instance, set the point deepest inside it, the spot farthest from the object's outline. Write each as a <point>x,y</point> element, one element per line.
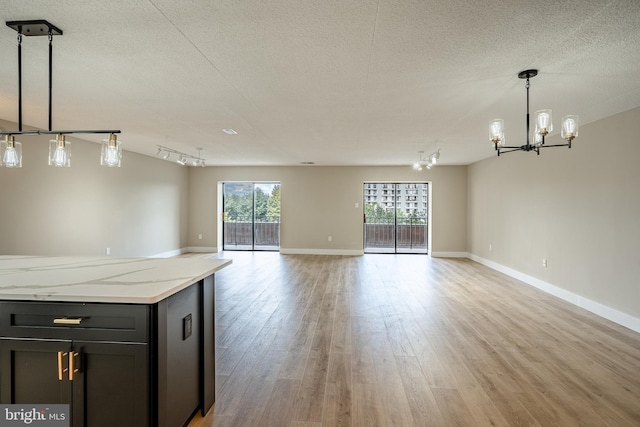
<point>543,126</point>
<point>59,153</point>
<point>111,152</point>
<point>10,152</point>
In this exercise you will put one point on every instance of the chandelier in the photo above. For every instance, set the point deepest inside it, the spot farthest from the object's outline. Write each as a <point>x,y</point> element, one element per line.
<point>59,152</point>
<point>427,161</point>
<point>543,126</point>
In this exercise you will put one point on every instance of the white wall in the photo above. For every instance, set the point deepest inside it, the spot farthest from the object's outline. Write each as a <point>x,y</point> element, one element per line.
<point>578,208</point>
<point>319,201</point>
<point>139,209</point>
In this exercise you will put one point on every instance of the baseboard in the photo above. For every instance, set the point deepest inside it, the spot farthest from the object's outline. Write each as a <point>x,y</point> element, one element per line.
<point>170,254</point>
<point>450,254</point>
<point>293,251</point>
<point>594,307</point>
<point>202,249</point>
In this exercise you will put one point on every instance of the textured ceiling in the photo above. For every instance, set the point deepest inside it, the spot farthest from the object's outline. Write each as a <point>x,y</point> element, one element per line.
<point>344,82</point>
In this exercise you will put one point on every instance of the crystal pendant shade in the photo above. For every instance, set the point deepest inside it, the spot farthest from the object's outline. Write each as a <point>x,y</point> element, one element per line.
<point>59,152</point>
<point>111,152</point>
<point>11,152</point>
<point>496,132</point>
<point>569,127</point>
<point>544,125</point>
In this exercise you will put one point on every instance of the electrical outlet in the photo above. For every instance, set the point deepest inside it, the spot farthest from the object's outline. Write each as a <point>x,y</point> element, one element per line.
<point>357,205</point>
<point>330,239</point>
<point>200,236</point>
<point>108,251</point>
<point>187,326</point>
<point>490,247</point>
<point>544,262</point>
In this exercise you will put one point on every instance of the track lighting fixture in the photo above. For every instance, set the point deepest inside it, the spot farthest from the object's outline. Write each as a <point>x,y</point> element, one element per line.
<point>428,161</point>
<point>543,126</point>
<point>183,158</point>
<point>59,153</point>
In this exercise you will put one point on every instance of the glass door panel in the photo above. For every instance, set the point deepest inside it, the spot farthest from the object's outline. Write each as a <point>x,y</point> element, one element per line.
<point>251,219</point>
<point>266,220</point>
<point>395,219</point>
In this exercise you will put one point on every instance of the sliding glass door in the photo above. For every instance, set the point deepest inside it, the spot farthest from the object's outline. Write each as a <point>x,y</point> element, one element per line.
<point>251,219</point>
<point>395,217</point>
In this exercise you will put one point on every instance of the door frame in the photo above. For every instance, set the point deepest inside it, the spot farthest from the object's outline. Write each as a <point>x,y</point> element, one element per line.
<point>221,220</point>
<point>429,215</point>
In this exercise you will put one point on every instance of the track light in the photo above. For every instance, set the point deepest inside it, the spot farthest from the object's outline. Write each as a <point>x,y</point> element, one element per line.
<point>183,158</point>
<point>426,162</point>
<point>434,157</point>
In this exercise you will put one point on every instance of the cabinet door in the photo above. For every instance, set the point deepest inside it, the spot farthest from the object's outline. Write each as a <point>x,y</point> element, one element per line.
<point>33,371</point>
<point>112,382</point>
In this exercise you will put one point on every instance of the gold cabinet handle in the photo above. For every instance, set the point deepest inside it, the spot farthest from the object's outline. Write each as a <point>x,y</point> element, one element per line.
<point>67,321</point>
<point>61,369</point>
<point>73,367</point>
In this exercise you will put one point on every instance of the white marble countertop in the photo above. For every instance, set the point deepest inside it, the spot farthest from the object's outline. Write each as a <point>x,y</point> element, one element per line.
<point>100,279</point>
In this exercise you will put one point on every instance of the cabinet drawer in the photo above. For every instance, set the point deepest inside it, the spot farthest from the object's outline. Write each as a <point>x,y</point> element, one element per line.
<point>75,321</point>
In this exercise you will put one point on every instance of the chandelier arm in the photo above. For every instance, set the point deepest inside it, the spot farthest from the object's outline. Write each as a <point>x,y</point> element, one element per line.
<point>556,145</point>
<point>512,149</point>
<point>515,147</point>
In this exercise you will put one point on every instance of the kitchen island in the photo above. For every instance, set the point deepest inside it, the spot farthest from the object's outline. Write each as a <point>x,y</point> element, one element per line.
<point>123,341</point>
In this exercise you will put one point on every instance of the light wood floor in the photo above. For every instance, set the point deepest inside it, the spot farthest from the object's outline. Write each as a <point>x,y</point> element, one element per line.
<point>406,340</point>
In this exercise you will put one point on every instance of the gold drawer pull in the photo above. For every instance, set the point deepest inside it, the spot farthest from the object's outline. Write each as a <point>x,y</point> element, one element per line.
<point>67,321</point>
<point>61,368</point>
<point>73,367</point>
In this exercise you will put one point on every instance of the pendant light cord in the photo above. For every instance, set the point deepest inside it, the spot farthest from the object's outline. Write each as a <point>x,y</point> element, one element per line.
<point>527,86</point>
<point>50,75</point>
<point>20,81</point>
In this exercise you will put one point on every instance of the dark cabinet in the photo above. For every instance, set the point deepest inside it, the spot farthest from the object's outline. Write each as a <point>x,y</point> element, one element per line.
<point>104,380</point>
<point>30,372</point>
<point>114,364</point>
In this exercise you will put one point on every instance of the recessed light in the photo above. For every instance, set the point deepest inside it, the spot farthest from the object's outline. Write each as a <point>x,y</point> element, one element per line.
<point>229,131</point>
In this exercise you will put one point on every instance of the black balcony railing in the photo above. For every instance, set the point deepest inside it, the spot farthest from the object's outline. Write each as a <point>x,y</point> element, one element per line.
<point>403,233</point>
<point>243,233</point>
